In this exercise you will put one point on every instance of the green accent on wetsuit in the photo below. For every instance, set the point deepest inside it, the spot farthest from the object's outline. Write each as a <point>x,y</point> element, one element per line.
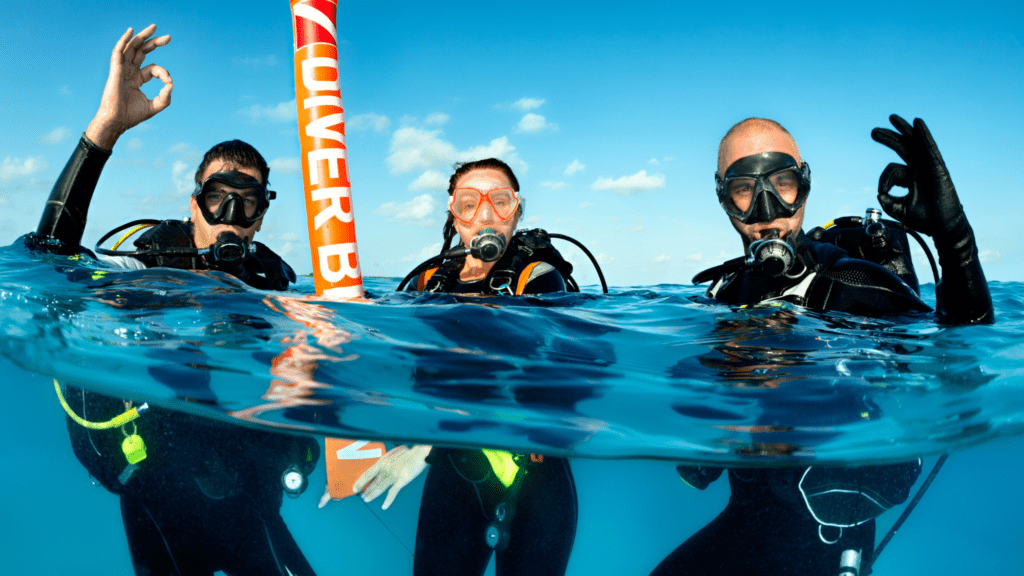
<point>503,464</point>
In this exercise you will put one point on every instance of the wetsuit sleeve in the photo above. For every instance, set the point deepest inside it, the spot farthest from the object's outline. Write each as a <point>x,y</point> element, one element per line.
<point>962,296</point>
<point>864,288</point>
<point>63,221</point>
<point>544,279</point>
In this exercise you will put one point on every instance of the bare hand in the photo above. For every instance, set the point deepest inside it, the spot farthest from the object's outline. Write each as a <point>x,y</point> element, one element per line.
<point>123,104</point>
<point>393,470</point>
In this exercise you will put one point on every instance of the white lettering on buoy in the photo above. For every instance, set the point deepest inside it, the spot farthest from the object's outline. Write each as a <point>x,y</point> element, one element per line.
<point>353,451</point>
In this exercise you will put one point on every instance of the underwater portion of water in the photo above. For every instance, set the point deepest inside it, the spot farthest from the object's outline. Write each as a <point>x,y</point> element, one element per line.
<point>627,384</point>
<point>651,372</point>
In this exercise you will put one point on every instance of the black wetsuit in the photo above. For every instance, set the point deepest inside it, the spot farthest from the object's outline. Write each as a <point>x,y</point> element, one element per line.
<point>462,494</point>
<point>767,527</point>
<point>207,497</point>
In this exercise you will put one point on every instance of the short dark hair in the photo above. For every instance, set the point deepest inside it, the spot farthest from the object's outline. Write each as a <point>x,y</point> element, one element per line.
<point>235,152</point>
<point>462,168</point>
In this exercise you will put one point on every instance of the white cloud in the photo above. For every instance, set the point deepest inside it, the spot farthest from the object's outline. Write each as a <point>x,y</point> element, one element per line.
<point>697,257</point>
<point>417,149</point>
<point>134,145</point>
<point>603,258</point>
<point>430,180</point>
<point>532,219</point>
<point>637,228</point>
<point>436,119</point>
<point>630,185</point>
<point>575,167</point>
<point>990,256</point>
<point>182,176</point>
<point>417,211</point>
<point>654,161</point>
<point>527,104</point>
<point>17,168</point>
<point>535,123</point>
<point>56,137</point>
<point>286,165</point>
<point>277,113</point>
<point>553,185</point>
<point>662,258</point>
<point>585,204</point>
<point>367,121</point>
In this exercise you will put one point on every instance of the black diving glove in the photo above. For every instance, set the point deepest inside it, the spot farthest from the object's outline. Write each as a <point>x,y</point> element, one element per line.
<point>933,207</point>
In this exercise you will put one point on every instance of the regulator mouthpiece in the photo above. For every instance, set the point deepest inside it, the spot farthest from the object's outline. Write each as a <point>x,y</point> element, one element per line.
<point>488,245</point>
<point>772,256</point>
<point>228,251</point>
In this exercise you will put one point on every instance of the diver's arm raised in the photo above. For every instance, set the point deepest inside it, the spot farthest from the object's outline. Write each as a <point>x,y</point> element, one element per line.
<point>933,207</point>
<point>122,106</point>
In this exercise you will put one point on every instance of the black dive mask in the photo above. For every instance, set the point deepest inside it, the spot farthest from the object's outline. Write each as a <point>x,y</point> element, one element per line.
<point>763,187</point>
<point>232,198</point>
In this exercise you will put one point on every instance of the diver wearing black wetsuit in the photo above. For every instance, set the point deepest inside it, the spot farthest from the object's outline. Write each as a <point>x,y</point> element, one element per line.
<point>800,521</point>
<point>207,495</point>
<point>533,520</point>
<point>520,507</point>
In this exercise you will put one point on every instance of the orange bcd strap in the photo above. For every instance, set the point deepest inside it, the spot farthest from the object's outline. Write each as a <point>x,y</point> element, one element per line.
<point>524,277</point>
<point>424,278</point>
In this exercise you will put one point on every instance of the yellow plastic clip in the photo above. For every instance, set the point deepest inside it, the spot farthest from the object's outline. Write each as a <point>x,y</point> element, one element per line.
<point>503,464</point>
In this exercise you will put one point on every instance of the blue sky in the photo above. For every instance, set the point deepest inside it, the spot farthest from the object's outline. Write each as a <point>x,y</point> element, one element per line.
<point>610,113</point>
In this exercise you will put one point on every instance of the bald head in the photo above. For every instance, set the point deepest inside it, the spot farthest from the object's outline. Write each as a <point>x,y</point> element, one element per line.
<point>754,136</point>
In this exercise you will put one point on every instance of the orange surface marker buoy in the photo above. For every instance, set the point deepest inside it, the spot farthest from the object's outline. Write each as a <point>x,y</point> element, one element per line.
<point>329,214</point>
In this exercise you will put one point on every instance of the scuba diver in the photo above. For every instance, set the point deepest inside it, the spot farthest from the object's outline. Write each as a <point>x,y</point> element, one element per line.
<point>522,507</point>
<point>820,520</point>
<point>197,496</point>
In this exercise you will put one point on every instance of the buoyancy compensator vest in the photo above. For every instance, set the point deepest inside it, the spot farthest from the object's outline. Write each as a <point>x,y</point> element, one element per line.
<point>170,243</point>
<point>510,274</point>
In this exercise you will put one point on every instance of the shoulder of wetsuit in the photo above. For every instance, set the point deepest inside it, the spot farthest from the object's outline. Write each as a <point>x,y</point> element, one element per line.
<point>265,270</point>
<point>854,495</point>
<point>863,288</point>
<point>167,235</point>
<point>891,250</point>
<point>526,248</point>
<point>444,278</point>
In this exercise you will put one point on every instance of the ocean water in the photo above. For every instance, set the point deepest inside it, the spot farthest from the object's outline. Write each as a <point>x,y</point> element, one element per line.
<point>626,384</point>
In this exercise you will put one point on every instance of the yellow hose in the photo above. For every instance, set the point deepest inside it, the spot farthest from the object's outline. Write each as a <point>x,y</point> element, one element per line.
<point>116,422</point>
<point>128,234</point>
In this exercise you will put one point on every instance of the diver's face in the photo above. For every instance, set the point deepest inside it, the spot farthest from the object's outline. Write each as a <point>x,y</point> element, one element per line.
<point>756,142</point>
<point>485,179</point>
<point>205,234</point>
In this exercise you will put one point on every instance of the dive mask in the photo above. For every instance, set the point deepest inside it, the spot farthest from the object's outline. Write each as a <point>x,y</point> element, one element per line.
<point>763,187</point>
<point>465,203</point>
<point>232,198</point>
